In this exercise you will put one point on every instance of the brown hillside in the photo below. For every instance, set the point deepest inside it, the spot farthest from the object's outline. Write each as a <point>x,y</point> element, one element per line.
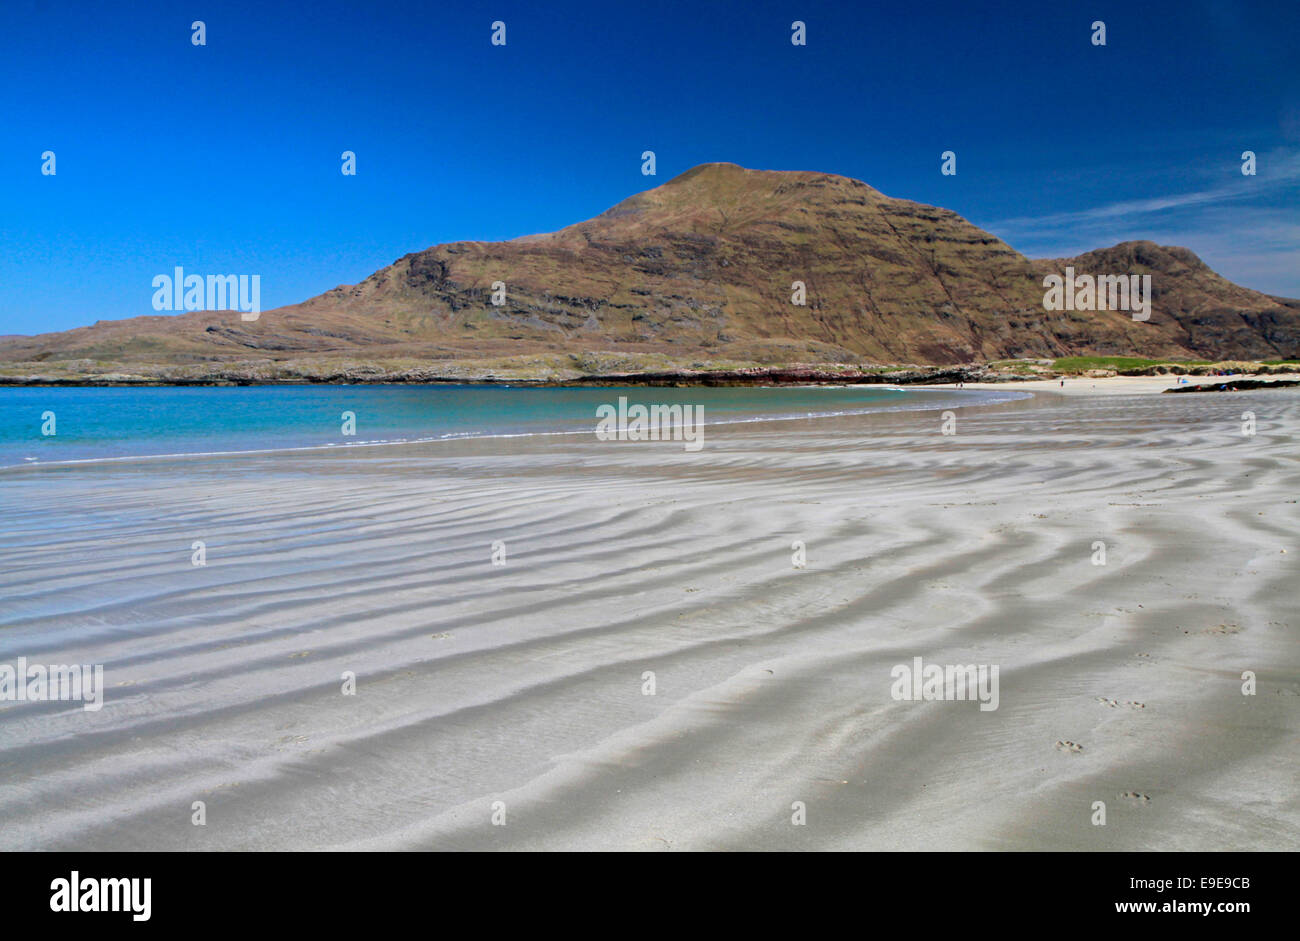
<point>700,268</point>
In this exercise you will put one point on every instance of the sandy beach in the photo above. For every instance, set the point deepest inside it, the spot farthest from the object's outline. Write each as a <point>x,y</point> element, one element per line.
<point>1117,385</point>
<point>505,706</point>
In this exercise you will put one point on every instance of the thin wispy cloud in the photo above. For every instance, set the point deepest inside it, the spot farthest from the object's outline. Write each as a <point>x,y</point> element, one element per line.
<point>1278,172</point>
<point>1245,228</point>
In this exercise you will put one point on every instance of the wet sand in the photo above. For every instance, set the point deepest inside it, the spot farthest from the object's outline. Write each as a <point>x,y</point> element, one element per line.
<point>517,691</point>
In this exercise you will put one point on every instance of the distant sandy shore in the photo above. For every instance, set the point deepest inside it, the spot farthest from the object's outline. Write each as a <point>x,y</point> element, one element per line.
<point>1112,385</point>
<point>519,691</point>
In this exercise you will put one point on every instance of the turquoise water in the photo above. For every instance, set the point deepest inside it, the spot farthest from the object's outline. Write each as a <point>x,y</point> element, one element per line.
<point>115,423</point>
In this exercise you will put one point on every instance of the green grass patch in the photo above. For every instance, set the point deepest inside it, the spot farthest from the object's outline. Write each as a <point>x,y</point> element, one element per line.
<point>1081,363</point>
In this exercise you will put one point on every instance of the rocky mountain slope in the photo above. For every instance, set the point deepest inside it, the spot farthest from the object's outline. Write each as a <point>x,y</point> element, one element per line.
<point>698,271</point>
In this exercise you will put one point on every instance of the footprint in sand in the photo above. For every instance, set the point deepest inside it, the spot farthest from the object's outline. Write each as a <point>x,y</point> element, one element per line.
<point>1219,629</point>
<point>1113,703</point>
<point>1136,797</point>
<point>1068,746</point>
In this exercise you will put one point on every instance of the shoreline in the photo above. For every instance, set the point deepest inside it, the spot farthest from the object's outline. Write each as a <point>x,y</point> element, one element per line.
<point>1092,386</point>
<point>508,435</point>
<point>796,375</point>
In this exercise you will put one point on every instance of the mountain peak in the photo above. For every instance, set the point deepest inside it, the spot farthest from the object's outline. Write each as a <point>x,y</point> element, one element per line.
<point>734,196</point>
<point>735,175</point>
<point>720,169</point>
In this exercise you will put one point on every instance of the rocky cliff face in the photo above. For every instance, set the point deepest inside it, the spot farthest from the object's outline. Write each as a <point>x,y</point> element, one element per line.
<point>1193,309</point>
<point>701,268</point>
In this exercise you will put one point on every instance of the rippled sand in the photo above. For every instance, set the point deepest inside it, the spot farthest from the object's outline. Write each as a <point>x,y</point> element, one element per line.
<point>523,683</point>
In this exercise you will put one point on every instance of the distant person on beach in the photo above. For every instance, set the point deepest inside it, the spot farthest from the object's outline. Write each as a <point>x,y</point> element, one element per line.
<point>1062,383</point>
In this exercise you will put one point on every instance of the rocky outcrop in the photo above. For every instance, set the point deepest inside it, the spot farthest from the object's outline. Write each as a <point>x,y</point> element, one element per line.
<point>1238,385</point>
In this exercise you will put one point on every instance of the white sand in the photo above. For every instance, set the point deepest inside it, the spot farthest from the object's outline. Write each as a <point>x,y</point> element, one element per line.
<point>1116,385</point>
<point>523,683</point>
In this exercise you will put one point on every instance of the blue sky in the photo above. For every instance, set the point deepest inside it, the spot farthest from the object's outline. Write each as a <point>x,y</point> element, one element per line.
<point>226,158</point>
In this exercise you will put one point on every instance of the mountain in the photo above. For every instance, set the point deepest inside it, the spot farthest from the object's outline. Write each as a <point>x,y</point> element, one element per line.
<point>699,271</point>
